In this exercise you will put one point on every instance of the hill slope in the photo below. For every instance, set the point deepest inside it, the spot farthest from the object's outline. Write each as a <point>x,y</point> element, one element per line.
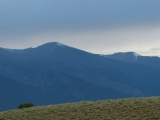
<point>120,109</point>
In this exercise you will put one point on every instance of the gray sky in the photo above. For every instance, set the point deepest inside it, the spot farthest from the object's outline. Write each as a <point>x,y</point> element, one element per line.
<point>97,26</point>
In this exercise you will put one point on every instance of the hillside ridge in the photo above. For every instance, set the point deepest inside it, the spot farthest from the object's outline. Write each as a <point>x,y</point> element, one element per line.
<point>121,109</point>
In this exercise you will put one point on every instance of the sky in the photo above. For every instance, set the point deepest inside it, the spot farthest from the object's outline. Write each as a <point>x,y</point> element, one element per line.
<point>96,26</point>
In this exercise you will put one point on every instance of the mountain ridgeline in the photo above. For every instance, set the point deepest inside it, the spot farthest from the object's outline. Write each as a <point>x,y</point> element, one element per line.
<point>132,57</point>
<point>55,73</point>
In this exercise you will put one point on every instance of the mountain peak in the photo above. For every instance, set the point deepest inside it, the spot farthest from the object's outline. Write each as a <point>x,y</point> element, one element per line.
<point>59,44</point>
<point>135,54</point>
<point>46,48</point>
<point>124,56</point>
<point>128,54</point>
<point>52,44</point>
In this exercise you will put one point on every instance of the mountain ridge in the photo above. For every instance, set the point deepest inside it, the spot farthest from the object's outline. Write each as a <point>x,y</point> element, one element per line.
<point>136,58</point>
<point>79,75</point>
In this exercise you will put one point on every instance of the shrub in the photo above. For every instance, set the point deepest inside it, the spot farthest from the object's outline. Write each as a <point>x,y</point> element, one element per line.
<point>26,105</point>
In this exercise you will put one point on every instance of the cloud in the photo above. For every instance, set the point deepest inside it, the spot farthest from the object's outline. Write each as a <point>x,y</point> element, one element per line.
<point>155,48</point>
<point>140,39</point>
<point>37,14</point>
<point>98,26</point>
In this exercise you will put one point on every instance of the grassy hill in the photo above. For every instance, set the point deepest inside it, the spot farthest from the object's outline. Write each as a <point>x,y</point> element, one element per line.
<point>121,109</point>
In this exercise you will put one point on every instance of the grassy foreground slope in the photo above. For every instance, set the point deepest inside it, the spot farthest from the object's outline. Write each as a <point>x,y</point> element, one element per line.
<point>121,109</point>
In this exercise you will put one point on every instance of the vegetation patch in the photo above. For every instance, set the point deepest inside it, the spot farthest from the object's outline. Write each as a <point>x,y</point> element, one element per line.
<point>120,109</point>
<point>26,105</point>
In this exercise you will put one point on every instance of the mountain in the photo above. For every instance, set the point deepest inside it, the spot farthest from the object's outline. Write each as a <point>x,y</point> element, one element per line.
<point>128,56</point>
<point>152,61</point>
<point>56,73</point>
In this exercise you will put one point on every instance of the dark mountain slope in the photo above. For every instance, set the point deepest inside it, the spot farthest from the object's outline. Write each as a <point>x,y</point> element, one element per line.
<point>14,93</point>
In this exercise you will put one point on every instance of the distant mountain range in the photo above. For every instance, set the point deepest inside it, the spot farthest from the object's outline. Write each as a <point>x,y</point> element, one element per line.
<point>56,73</point>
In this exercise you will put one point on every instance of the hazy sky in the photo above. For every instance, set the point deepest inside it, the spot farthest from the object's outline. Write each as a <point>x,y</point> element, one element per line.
<point>97,26</point>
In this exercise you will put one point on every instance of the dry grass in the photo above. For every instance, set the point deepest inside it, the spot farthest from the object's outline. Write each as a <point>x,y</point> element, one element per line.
<point>121,109</point>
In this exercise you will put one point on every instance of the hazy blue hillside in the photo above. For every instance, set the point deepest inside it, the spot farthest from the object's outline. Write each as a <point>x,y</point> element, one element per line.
<point>56,73</point>
<point>13,93</point>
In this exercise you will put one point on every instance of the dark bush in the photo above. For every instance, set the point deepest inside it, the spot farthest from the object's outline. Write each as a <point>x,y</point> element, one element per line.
<point>26,105</point>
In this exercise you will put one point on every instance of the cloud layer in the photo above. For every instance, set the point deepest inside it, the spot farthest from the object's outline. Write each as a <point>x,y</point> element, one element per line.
<point>99,26</point>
